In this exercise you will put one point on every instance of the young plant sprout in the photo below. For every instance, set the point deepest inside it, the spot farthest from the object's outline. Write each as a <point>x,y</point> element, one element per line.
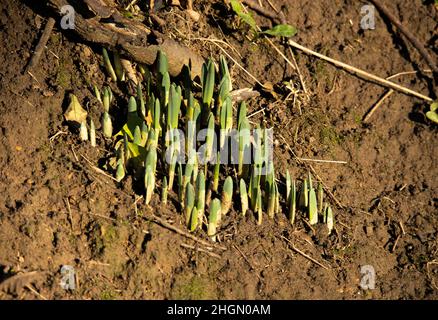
<point>226,120</point>
<point>97,94</point>
<point>320,197</point>
<point>120,173</point>
<point>118,68</point>
<point>137,136</point>
<point>92,133</point>
<point>144,134</point>
<point>208,74</point>
<point>106,120</point>
<point>194,219</point>
<point>189,202</point>
<point>304,196</point>
<point>244,143</point>
<point>108,65</point>
<point>288,186</point>
<point>292,203</point>
<point>195,168</point>
<point>200,195</point>
<point>164,191</point>
<point>216,173</point>
<point>227,195</point>
<point>329,219</point>
<point>209,141</point>
<point>313,209</point>
<point>214,218</point>
<point>168,116</point>
<point>243,197</point>
<point>150,167</point>
<point>83,131</point>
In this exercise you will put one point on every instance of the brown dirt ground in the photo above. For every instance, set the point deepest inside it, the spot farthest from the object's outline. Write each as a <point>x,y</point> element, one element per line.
<point>56,210</point>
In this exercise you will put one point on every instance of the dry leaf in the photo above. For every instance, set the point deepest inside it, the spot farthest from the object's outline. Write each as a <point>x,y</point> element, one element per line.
<point>75,112</point>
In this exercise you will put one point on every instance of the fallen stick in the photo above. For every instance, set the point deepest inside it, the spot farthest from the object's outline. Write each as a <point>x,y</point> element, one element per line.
<point>324,161</point>
<point>377,105</point>
<point>41,45</point>
<point>265,12</point>
<point>421,49</point>
<point>130,38</point>
<point>387,94</point>
<point>304,255</point>
<point>211,254</point>
<point>361,73</point>
<point>167,225</point>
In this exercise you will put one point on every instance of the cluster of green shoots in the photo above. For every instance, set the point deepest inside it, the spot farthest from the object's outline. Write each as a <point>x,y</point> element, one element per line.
<point>205,190</point>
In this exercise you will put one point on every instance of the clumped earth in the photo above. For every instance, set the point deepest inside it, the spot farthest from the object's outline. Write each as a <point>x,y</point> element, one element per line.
<point>56,210</point>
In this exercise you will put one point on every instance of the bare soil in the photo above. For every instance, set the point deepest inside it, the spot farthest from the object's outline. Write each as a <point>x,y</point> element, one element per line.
<point>56,210</point>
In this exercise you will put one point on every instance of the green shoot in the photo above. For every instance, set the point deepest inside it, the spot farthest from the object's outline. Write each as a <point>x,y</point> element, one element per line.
<point>243,197</point>
<point>108,65</point>
<point>164,191</point>
<point>227,195</point>
<point>313,210</point>
<point>214,218</point>
<point>92,133</point>
<point>292,203</point>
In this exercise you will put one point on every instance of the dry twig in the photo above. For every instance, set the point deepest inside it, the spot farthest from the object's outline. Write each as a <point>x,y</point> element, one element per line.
<point>421,49</point>
<point>361,73</point>
<point>265,12</point>
<point>41,44</point>
<point>211,254</point>
<point>303,254</point>
<point>167,225</point>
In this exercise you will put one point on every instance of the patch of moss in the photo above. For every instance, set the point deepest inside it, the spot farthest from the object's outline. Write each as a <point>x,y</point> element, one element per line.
<point>109,234</point>
<point>108,295</point>
<point>318,69</point>
<point>329,136</point>
<point>357,119</point>
<point>349,251</point>
<point>96,240</point>
<point>196,288</point>
<point>55,38</point>
<point>63,76</point>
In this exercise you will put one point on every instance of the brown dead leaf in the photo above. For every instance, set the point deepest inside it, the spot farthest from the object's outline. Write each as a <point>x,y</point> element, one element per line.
<point>75,112</point>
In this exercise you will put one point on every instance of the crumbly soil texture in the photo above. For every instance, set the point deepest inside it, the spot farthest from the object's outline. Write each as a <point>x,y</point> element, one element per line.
<point>57,209</point>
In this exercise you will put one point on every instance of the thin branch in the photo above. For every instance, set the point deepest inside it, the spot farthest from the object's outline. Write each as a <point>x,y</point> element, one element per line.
<point>41,44</point>
<point>265,12</point>
<point>361,73</point>
<point>303,254</point>
<point>167,225</point>
<point>324,161</point>
<point>421,49</point>
<point>377,105</point>
<point>211,254</point>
